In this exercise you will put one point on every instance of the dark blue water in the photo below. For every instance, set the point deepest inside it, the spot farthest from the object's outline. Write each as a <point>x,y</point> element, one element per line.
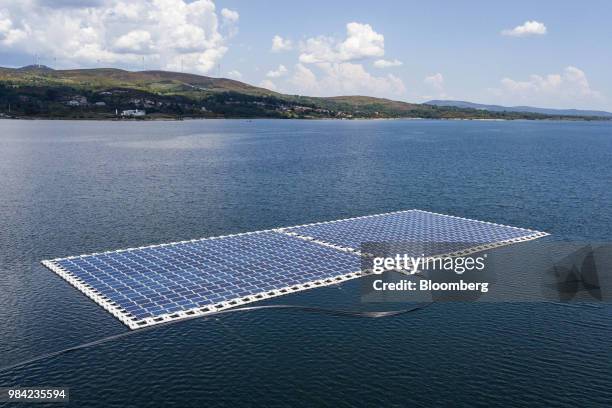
<point>68,188</point>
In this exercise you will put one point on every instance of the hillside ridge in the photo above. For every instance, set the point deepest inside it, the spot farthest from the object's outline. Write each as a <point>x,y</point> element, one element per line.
<point>108,93</point>
<point>530,109</point>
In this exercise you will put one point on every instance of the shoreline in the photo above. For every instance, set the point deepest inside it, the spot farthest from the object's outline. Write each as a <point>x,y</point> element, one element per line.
<point>565,119</point>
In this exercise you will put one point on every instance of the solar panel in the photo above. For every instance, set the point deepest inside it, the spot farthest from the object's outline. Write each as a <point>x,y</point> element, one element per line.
<point>150,285</point>
<point>446,234</point>
<point>160,283</point>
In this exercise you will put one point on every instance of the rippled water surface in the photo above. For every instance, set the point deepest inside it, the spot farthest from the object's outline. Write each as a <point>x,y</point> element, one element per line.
<point>69,188</point>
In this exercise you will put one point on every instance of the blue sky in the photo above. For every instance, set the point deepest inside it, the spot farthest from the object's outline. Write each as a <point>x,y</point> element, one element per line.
<point>546,53</point>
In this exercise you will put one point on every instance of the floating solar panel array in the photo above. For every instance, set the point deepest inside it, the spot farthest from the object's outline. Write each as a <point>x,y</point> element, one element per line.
<point>160,283</point>
<point>432,234</point>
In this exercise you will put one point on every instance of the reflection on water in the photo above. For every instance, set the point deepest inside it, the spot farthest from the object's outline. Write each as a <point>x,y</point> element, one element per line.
<point>195,141</point>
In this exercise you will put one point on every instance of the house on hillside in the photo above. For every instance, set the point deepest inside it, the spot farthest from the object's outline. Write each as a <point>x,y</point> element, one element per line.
<point>77,100</point>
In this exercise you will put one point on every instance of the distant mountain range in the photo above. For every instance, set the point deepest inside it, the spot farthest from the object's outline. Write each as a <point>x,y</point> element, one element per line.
<point>529,109</point>
<point>37,91</point>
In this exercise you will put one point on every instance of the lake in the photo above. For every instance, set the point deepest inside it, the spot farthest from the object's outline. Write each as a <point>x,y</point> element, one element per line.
<point>68,188</point>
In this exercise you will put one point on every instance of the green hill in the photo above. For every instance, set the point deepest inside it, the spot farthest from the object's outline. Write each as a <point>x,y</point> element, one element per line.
<point>103,93</point>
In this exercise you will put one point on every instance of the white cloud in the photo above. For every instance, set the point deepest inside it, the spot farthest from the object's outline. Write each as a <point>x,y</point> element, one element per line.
<point>383,63</point>
<point>527,28</point>
<point>118,33</point>
<point>436,81</point>
<point>569,88</point>
<point>229,16</point>
<point>344,78</point>
<point>70,3</point>
<point>361,42</point>
<point>329,66</point>
<point>9,35</point>
<point>234,74</point>
<point>137,41</point>
<point>279,72</point>
<point>304,80</point>
<point>281,44</point>
<point>266,83</point>
<point>437,90</point>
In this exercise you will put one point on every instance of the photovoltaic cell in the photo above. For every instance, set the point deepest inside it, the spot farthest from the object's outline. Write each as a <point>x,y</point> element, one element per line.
<point>151,285</point>
<point>444,233</point>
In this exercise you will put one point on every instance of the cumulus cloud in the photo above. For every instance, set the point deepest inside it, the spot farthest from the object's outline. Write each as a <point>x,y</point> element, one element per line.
<point>526,29</point>
<point>9,34</point>
<point>436,88</point>
<point>137,41</point>
<point>361,42</point>
<point>329,66</point>
<point>234,74</point>
<point>383,63</point>
<point>304,80</point>
<point>344,78</point>
<point>167,33</point>
<point>279,72</point>
<point>229,16</point>
<point>281,44</point>
<point>266,83</point>
<point>69,3</point>
<point>436,81</point>
<point>569,88</point>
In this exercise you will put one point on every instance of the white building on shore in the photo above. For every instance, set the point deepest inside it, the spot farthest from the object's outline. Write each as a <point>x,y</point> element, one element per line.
<point>133,113</point>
